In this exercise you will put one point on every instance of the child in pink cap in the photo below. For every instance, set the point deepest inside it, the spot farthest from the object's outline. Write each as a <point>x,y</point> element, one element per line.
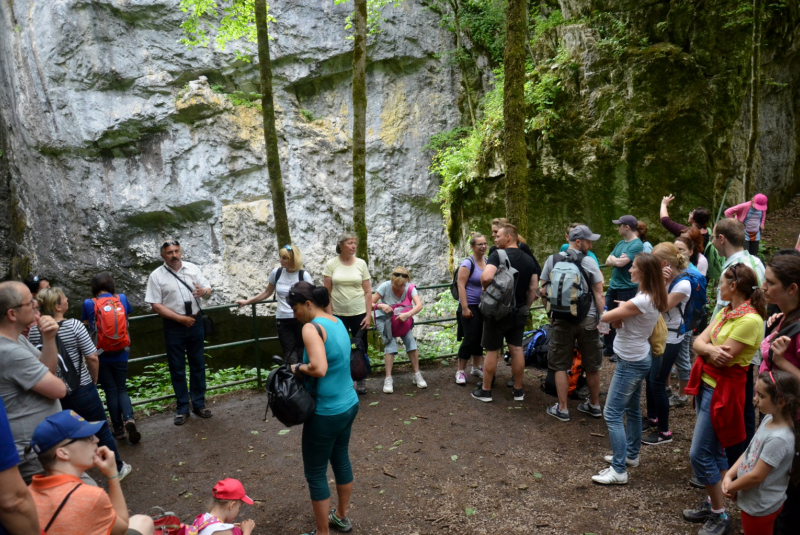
<point>752,214</point>
<point>228,497</point>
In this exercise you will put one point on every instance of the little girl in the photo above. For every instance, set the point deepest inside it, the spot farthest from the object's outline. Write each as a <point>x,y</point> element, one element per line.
<point>228,497</point>
<point>759,479</point>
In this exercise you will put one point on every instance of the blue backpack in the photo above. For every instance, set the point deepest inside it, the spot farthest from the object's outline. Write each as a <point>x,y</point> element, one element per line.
<point>694,312</point>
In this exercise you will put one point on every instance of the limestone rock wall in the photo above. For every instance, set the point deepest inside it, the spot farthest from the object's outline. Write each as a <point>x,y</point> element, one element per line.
<point>115,136</point>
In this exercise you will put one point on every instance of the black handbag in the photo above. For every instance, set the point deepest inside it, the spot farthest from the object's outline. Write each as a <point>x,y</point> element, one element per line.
<point>208,323</point>
<point>360,367</point>
<point>287,396</point>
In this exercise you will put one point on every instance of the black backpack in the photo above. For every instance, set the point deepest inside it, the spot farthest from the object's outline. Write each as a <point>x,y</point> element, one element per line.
<point>454,285</point>
<point>300,275</point>
<point>360,367</point>
<point>291,403</point>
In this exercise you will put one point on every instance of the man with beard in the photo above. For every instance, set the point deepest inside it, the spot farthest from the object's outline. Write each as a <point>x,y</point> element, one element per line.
<point>173,290</point>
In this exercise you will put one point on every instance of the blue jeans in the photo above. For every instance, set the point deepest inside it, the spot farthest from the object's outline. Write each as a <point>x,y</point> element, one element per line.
<point>684,361</point>
<point>624,396</point>
<point>656,381</point>
<point>613,295</point>
<point>86,402</point>
<point>112,379</point>
<point>184,343</point>
<point>706,454</point>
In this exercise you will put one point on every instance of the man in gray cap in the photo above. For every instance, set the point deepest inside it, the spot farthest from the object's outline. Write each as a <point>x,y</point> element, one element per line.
<point>574,313</point>
<point>620,287</point>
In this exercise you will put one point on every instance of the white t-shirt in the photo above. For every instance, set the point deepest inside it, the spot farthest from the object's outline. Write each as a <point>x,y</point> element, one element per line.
<point>631,342</point>
<point>282,289</point>
<point>672,317</point>
<point>702,264</point>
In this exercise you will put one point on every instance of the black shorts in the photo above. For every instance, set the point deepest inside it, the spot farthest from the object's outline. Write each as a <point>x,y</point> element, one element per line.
<point>512,327</point>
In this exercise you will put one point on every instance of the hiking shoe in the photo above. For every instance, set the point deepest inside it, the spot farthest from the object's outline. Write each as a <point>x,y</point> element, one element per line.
<point>698,515</point>
<point>648,424</point>
<point>676,401</point>
<point>633,463</point>
<point>126,469</point>
<point>694,482</point>
<point>556,413</point>
<point>202,412</point>
<point>361,387</point>
<point>461,377</point>
<point>519,394</point>
<point>717,524</point>
<point>119,433</point>
<point>419,381</point>
<point>388,385</point>
<point>180,419</point>
<point>654,439</point>
<point>342,525</point>
<point>597,412</point>
<point>477,372</point>
<point>133,434</point>
<point>609,476</point>
<point>482,395</point>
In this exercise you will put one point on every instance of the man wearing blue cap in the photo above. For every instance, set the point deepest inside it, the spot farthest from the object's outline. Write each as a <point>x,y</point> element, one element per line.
<point>67,446</point>
<point>620,287</point>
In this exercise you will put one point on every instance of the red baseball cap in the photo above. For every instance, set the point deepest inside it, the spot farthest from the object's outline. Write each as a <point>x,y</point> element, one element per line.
<point>231,489</point>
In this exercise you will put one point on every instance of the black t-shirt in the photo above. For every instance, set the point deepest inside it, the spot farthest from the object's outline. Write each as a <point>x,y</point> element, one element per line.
<point>526,266</point>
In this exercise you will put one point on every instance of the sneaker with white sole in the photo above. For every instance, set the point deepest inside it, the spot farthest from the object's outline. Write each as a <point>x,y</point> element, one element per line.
<point>388,385</point>
<point>556,413</point>
<point>482,395</point>
<point>519,394</point>
<point>633,463</point>
<point>609,476</point>
<point>419,381</point>
<point>477,372</point>
<point>676,401</point>
<point>656,438</point>
<point>461,377</point>
<point>126,469</point>
<point>587,407</point>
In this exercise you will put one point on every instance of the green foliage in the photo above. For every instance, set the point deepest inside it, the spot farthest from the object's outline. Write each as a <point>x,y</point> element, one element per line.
<point>484,21</point>
<point>231,20</point>
<point>308,115</point>
<point>613,32</point>
<point>374,15</point>
<point>248,100</point>
<point>447,139</point>
<point>542,25</point>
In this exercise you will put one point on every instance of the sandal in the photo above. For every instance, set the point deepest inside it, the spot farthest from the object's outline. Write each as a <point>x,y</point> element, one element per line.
<point>202,413</point>
<point>180,419</point>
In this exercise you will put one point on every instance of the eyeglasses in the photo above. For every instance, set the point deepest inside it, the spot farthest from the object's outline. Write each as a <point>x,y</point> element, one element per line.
<point>170,242</point>
<point>87,439</point>
<point>403,275</point>
<point>29,303</point>
<point>780,394</point>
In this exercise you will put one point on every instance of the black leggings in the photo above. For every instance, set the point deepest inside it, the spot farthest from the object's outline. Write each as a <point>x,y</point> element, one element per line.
<point>353,325</point>
<point>656,380</point>
<point>470,332</point>
<point>290,335</point>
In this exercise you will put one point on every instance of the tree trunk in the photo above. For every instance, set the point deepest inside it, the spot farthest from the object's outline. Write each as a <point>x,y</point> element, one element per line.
<point>514,116</point>
<point>360,127</point>
<point>462,62</point>
<point>755,97</point>
<point>270,134</point>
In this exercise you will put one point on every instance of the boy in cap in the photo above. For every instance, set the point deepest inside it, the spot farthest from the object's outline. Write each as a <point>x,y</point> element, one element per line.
<point>620,287</point>
<point>566,332</point>
<point>67,446</point>
<point>229,495</point>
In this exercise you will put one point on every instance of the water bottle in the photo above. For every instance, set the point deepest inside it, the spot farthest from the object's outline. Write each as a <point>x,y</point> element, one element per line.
<point>604,327</point>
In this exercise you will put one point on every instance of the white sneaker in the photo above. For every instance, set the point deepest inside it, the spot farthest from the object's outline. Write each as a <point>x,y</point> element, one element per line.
<point>126,469</point>
<point>609,476</point>
<point>477,372</point>
<point>461,377</point>
<point>633,463</point>
<point>388,385</point>
<point>419,381</point>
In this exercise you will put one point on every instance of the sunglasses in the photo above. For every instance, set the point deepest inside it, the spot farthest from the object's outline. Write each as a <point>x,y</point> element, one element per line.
<point>403,275</point>
<point>170,242</point>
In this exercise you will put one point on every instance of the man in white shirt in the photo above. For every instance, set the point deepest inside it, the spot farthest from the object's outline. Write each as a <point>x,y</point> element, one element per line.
<point>173,290</point>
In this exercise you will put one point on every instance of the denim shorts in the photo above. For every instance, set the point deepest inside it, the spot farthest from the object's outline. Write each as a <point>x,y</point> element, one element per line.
<point>408,341</point>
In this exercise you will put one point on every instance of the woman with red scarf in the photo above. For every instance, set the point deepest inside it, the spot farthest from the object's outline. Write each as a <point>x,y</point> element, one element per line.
<point>717,381</point>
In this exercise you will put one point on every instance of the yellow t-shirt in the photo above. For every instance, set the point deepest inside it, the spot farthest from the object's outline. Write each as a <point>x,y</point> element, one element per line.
<point>749,330</point>
<point>347,294</point>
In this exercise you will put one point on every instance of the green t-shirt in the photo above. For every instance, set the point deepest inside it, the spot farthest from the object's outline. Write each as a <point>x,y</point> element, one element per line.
<point>621,276</point>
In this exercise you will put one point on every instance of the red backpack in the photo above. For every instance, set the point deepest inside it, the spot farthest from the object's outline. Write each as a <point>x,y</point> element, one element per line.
<point>112,324</point>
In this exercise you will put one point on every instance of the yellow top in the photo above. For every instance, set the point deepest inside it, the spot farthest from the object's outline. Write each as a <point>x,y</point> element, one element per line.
<point>749,330</point>
<point>347,293</point>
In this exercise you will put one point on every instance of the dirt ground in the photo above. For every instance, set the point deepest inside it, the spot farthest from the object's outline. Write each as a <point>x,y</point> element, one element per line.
<point>425,461</point>
<point>783,226</point>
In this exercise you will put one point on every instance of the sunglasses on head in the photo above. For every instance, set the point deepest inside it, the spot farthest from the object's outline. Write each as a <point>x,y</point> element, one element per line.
<point>169,243</point>
<point>404,275</point>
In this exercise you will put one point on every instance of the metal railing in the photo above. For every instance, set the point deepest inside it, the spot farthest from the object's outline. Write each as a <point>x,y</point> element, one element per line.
<point>256,340</point>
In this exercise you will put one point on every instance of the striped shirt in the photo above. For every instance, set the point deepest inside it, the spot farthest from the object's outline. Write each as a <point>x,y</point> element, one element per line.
<point>76,339</point>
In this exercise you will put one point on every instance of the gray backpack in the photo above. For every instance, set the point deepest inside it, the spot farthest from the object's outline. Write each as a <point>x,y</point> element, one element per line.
<point>566,298</point>
<point>497,300</point>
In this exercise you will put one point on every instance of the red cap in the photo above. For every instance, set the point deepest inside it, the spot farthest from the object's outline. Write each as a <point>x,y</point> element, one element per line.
<point>231,489</point>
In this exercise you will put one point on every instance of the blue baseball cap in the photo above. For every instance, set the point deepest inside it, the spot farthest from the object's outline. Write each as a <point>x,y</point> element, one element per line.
<point>62,426</point>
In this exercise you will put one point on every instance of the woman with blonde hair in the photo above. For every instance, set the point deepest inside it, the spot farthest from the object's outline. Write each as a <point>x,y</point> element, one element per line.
<point>280,280</point>
<point>77,354</point>
<point>679,291</point>
<point>395,302</point>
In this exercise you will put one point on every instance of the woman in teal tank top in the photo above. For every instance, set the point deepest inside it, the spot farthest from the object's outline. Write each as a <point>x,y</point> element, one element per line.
<point>326,435</point>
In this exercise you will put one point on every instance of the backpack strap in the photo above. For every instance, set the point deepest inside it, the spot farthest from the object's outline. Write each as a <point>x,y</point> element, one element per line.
<point>61,506</point>
<point>301,276</point>
<point>471,266</point>
<point>791,331</point>
<point>278,275</point>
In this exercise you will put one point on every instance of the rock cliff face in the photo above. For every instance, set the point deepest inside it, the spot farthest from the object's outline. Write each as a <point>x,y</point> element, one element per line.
<point>115,136</point>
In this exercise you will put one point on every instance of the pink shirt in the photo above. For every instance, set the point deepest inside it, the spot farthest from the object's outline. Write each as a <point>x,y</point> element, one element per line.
<point>740,212</point>
<point>792,352</point>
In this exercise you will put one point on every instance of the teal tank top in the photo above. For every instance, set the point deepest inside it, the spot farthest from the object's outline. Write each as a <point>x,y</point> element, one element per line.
<point>333,393</point>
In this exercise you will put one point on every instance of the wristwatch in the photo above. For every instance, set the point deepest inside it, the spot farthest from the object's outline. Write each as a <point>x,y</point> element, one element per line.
<point>297,368</point>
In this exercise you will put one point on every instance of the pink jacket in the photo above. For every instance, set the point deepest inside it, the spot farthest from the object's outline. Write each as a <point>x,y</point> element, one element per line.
<point>740,212</point>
